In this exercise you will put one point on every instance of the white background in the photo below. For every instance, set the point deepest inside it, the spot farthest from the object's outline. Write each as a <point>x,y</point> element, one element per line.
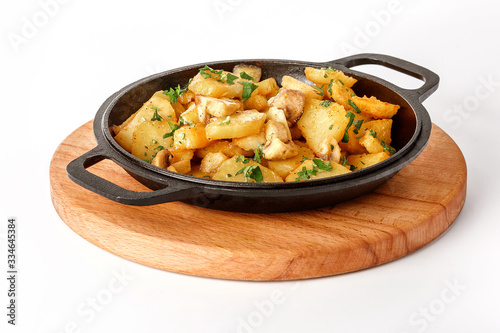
<point>58,64</point>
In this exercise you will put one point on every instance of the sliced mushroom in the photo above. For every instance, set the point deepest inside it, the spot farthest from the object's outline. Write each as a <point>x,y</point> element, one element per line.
<point>291,101</point>
<point>329,149</point>
<point>161,159</point>
<point>279,150</point>
<point>218,107</point>
<point>275,129</point>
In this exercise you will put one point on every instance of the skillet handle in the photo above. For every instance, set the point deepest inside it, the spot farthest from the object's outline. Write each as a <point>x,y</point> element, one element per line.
<point>77,172</point>
<point>431,79</point>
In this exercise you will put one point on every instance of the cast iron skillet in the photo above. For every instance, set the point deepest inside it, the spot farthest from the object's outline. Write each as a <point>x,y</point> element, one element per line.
<point>410,133</point>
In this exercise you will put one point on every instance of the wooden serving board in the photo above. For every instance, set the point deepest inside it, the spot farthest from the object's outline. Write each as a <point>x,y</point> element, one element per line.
<point>398,218</point>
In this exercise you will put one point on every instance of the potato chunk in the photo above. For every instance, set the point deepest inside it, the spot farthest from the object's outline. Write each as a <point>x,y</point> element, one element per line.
<point>309,170</point>
<point>374,107</point>
<point>253,71</point>
<point>320,121</point>
<point>361,161</point>
<point>249,143</point>
<point>241,124</point>
<point>227,147</point>
<point>212,161</point>
<point>341,94</point>
<point>190,137</point>
<point>371,144</point>
<point>288,82</point>
<point>239,169</point>
<point>267,88</point>
<point>284,167</point>
<point>211,87</point>
<point>157,108</point>
<point>381,129</point>
<point>148,139</point>
<point>325,75</point>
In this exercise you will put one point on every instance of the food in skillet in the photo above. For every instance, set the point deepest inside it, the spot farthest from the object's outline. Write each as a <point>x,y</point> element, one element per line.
<point>233,126</point>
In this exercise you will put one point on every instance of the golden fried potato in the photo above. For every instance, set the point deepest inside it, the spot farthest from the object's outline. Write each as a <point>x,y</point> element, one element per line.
<point>320,120</point>
<point>309,169</point>
<point>288,82</point>
<point>239,125</point>
<point>240,169</point>
<point>361,161</point>
<point>148,139</point>
<point>375,108</point>
<point>157,108</point>
<point>323,76</point>
<point>190,137</point>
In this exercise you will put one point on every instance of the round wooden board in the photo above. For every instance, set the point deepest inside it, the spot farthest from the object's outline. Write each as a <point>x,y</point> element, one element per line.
<point>398,218</point>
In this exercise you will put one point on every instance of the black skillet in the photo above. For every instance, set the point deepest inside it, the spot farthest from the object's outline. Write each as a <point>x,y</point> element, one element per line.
<point>410,134</point>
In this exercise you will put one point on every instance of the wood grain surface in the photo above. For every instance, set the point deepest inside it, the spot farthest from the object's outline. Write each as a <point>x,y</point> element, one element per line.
<point>398,218</point>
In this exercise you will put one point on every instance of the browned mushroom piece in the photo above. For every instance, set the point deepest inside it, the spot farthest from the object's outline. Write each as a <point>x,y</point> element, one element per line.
<point>329,149</point>
<point>276,149</point>
<point>291,101</point>
<point>161,159</point>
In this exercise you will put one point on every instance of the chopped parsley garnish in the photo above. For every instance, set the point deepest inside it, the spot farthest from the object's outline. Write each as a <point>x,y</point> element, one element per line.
<point>351,120</point>
<point>329,69</point>
<point>174,93</point>
<point>318,166</point>
<point>248,88</point>
<point>342,83</point>
<point>357,125</point>
<point>258,154</point>
<point>173,128</point>
<point>156,115</point>
<point>373,133</point>
<point>343,160</point>
<point>245,76</point>
<point>242,159</point>
<point>326,103</point>
<point>331,126</point>
<point>251,172</point>
<point>388,148</point>
<point>154,141</point>
<point>230,78</point>
<point>204,73</point>
<point>306,174</point>
<point>219,75</point>
<point>330,87</point>
<point>354,106</point>
<point>352,167</point>
<point>305,158</point>
<point>319,90</point>
<point>183,121</point>
<point>226,121</point>
<point>229,175</point>
<point>323,166</point>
